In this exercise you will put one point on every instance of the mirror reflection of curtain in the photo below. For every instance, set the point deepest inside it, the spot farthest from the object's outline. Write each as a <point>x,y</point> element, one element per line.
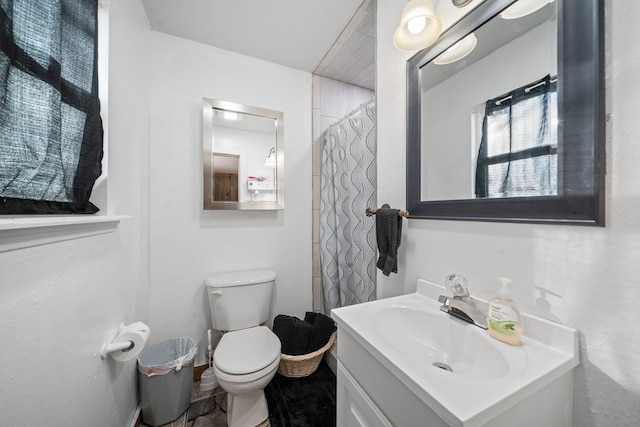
<point>518,151</point>
<point>348,187</point>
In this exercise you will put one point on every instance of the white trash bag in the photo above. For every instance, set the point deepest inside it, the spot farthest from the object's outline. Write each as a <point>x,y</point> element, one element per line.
<point>166,356</point>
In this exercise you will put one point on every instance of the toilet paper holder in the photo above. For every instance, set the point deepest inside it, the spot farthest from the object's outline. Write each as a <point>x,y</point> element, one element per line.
<point>119,346</point>
<point>109,348</point>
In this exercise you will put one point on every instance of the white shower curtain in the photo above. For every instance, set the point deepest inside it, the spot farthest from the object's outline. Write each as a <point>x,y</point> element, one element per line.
<point>347,235</point>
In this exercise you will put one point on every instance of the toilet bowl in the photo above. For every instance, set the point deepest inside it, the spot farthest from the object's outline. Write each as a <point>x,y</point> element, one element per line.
<point>244,362</point>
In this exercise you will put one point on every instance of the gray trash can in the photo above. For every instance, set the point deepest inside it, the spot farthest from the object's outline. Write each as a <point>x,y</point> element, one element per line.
<point>165,375</point>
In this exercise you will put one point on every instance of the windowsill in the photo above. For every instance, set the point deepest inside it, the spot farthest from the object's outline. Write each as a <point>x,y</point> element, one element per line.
<point>27,231</point>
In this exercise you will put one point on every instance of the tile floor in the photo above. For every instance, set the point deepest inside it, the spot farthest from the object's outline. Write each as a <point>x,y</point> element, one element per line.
<point>316,408</point>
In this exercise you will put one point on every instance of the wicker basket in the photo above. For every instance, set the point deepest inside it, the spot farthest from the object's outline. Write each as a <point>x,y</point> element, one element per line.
<point>304,364</point>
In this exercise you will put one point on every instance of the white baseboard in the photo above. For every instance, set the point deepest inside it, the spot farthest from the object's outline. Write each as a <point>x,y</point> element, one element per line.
<point>134,419</point>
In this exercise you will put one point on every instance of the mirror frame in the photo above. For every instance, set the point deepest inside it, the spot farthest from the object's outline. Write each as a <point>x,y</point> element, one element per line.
<point>581,128</point>
<point>208,147</point>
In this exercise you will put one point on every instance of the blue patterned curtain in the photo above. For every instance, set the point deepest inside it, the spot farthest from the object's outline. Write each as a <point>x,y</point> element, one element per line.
<point>347,235</point>
<point>50,126</point>
<point>518,154</point>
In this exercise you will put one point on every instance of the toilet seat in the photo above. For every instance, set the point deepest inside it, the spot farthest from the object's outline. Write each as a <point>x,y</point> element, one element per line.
<point>247,351</point>
<point>222,376</point>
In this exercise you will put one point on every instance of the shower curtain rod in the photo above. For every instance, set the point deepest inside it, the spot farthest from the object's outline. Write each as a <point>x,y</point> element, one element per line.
<point>350,113</point>
<point>527,90</point>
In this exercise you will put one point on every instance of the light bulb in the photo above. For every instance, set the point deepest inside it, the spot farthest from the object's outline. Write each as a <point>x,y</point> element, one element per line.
<point>523,8</point>
<point>456,52</point>
<point>417,24</point>
<point>456,46</point>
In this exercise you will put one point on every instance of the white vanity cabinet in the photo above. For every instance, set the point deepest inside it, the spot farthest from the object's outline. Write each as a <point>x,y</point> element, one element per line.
<point>387,374</point>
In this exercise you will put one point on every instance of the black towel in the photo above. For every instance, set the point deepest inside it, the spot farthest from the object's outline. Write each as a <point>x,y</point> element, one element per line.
<point>323,327</point>
<point>282,327</point>
<point>310,316</point>
<point>300,336</point>
<point>303,336</point>
<point>388,233</point>
<point>294,334</point>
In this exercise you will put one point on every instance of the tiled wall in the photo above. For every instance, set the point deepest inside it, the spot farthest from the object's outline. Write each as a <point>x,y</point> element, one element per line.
<point>332,100</point>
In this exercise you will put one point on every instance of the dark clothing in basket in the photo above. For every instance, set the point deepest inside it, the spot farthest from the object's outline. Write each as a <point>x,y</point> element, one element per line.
<point>303,336</point>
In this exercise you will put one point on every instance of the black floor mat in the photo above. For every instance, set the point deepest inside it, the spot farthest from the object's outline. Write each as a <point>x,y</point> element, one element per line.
<point>303,402</point>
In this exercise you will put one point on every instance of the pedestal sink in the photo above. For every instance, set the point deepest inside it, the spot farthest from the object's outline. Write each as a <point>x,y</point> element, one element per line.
<point>402,361</point>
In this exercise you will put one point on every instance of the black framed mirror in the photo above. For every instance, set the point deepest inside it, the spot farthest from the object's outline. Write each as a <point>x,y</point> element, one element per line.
<point>575,156</point>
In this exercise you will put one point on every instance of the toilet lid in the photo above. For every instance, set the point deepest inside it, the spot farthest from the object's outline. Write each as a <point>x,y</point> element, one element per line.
<point>246,350</point>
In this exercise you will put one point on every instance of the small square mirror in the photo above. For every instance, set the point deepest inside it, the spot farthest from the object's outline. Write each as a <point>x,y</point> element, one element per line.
<point>243,153</point>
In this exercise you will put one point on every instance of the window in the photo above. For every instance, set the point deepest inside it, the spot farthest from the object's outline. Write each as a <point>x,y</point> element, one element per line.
<point>50,126</point>
<point>518,151</point>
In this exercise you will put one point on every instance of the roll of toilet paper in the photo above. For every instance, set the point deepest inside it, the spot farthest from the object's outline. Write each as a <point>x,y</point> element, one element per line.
<point>136,326</point>
<point>137,333</point>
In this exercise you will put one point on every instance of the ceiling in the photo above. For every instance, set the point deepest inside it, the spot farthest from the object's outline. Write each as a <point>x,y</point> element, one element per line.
<point>293,33</point>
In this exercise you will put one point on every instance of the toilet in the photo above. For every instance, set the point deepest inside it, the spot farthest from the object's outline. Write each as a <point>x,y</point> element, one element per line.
<point>248,354</point>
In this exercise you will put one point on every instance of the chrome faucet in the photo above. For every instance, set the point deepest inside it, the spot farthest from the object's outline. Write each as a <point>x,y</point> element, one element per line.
<point>461,305</point>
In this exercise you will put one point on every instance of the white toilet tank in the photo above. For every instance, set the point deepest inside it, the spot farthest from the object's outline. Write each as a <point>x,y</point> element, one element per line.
<point>240,299</point>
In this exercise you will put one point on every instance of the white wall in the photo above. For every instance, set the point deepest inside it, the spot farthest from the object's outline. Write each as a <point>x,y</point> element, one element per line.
<point>187,243</point>
<point>60,302</point>
<point>594,271</point>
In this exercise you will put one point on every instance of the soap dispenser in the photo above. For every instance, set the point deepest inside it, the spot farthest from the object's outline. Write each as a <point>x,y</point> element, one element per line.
<point>503,317</point>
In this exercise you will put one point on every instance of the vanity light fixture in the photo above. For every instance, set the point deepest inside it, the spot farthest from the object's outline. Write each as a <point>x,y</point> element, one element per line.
<point>458,51</point>
<point>523,8</point>
<point>271,158</point>
<point>419,26</point>
<point>231,115</point>
<point>461,3</point>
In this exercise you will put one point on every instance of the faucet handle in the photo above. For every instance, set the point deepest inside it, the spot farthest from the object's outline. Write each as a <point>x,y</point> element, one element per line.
<point>457,285</point>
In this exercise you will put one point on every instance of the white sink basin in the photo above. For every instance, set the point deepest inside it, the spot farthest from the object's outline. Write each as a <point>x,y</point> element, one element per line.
<point>445,342</point>
<point>409,334</point>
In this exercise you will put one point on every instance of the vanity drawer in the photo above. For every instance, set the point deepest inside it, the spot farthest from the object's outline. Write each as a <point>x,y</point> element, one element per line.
<point>395,401</point>
<point>354,407</point>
